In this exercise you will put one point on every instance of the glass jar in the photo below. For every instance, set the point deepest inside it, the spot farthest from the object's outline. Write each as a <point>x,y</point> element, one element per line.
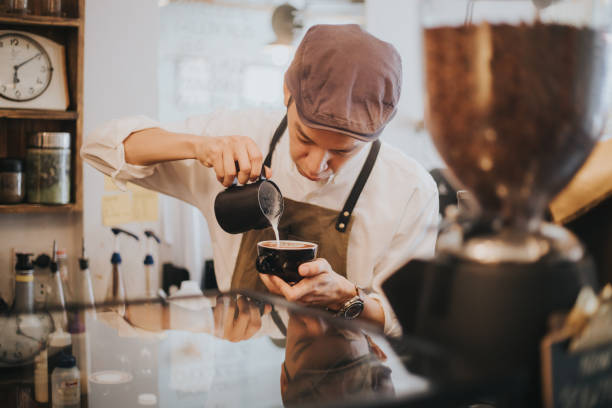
<point>12,181</point>
<point>52,8</point>
<point>48,168</point>
<point>516,96</point>
<point>18,6</point>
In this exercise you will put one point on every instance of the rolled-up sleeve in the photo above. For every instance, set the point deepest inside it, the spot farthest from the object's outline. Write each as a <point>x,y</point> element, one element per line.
<point>103,149</point>
<point>415,238</point>
<point>182,179</point>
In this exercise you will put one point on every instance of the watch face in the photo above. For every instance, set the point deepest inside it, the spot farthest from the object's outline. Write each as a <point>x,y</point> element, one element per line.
<point>354,310</point>
<point>25,68</point>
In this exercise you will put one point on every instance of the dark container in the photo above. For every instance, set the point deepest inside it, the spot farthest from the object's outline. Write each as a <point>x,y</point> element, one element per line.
<point>284,258</point>
<point>243,208</point>
<point>12,181</point>
<point>492,316</point>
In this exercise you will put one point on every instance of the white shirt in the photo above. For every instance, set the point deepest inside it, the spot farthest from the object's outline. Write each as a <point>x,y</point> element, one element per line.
<point>395,218</point>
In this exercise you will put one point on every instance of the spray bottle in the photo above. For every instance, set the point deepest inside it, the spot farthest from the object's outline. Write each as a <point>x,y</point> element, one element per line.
<point>115,294</point>
<point>85,311</point>
<point>149,263</point>
<point>85,291</point>
<point>56,303</point>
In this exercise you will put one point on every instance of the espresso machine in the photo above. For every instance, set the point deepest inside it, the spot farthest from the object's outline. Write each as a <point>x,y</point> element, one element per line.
<point>515,102</point>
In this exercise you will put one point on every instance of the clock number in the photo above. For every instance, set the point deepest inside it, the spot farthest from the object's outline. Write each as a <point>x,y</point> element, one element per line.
<point>31,90</point>
<point>39,81</point>
<point>43,69</point>
<point>14,41</point>
<point>3,88</point>
<point>27,46</point>
<point>17,93</point>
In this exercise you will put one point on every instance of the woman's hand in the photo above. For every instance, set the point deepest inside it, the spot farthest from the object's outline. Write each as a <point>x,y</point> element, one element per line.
<point>321,286</point>
<point>231,157</point>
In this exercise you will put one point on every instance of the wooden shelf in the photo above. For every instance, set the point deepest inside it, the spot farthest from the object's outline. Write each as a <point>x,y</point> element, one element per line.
<point>39,20</point>
<point>17,124</point>
<point>38,114</point>
<point>37,208</point>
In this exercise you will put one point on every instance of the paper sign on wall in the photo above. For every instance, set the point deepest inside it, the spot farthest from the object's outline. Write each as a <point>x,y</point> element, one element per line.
<point>116,209</point>
<point>144,206</point>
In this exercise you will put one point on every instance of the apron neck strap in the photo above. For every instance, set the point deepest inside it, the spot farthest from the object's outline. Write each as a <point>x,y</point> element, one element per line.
<point>349,206</point>
<point>280,130</point>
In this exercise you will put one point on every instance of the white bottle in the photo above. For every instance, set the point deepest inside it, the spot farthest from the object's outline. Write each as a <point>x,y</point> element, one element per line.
<point>41,378</point>
<point>62,263</point>
<point>66,384</point>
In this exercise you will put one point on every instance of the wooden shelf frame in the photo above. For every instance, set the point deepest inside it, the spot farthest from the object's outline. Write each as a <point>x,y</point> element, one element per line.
<point>37,208</point>
<point>29,20</point>
<point>38,114</point>
<point>70,31</point>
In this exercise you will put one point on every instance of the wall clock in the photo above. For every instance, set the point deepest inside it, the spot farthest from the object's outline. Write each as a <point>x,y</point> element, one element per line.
<point>32,72</point>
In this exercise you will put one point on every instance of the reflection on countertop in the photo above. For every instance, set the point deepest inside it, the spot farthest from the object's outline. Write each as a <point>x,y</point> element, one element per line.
<point>224,350</point>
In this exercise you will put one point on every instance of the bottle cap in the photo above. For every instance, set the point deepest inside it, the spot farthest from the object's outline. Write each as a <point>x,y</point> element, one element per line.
<point>11,166</point>
<point>42,261</point>
<point>59,338</point>
<point>147,399</point>
<point>83,263</point>
<point>24,264</point>
<point>66,360</point>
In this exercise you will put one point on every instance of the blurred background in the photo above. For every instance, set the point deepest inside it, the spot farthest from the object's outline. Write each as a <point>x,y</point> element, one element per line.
<point>171,59</point>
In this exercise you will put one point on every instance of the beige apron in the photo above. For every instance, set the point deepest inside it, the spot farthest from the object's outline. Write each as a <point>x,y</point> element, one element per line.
<point>303,222</point>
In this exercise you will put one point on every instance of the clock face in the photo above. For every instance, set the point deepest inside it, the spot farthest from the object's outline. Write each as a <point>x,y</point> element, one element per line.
<point>25,68</point>
<point>23,337</point>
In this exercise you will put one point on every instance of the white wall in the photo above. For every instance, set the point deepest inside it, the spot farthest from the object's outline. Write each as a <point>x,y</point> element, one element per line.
<point>397,22</point>
<point>121,53</point>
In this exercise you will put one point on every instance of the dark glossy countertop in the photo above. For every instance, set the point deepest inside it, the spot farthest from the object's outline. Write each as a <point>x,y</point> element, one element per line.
<point>219,350</point>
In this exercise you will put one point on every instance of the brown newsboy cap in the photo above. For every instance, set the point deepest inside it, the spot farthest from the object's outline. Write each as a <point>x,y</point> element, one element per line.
<point>345,80</point>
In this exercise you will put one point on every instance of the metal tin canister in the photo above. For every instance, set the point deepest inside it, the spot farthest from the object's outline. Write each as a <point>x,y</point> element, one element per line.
<point>48,169</point>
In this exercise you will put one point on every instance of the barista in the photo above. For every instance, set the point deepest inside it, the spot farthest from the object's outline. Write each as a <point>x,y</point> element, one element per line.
<point>368,206</point>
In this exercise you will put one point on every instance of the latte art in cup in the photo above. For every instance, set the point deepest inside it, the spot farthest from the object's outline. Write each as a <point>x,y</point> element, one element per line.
<point>287,244</point>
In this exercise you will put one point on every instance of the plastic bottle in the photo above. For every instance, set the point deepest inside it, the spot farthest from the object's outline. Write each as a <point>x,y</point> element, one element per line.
<point>61,258</point>
<point>56,303</point>
<point>82,351</point>
<point>60,343</point>
<point>41,378</point>
<point>149,264</point>
<point>23,301</point>
<point>85,294</point>
<point>115,294</point>
<point>65,382</point>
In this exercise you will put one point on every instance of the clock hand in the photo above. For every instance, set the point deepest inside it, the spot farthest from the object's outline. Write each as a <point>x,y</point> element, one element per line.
<point>25,62</point>
<point>15,78</point>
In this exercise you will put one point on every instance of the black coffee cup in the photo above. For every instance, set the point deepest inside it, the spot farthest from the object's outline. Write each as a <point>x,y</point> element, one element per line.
<point>283,258</point>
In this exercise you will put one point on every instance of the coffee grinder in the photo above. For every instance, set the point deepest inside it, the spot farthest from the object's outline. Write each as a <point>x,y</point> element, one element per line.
<point>515,103</point>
